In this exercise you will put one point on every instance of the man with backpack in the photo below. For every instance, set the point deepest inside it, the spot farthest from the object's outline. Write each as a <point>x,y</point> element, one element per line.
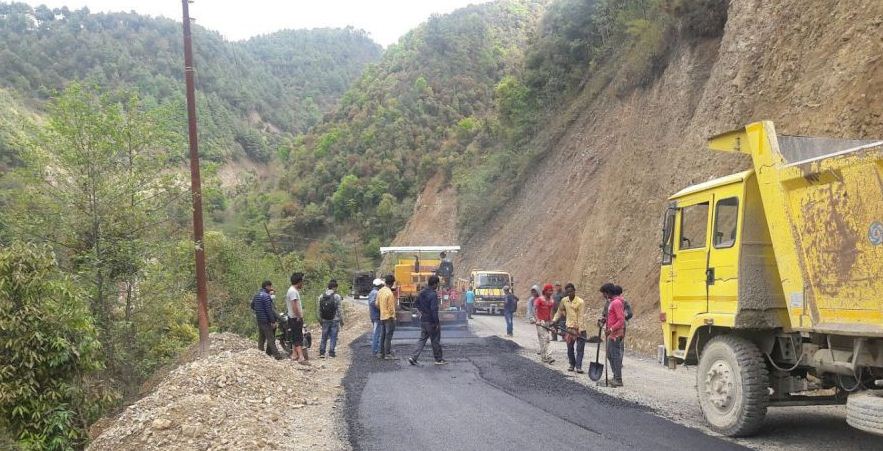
<point>430,326</point>
<point>265,316</point>
<point>331,316</point>
<point>609,290</point>
<point>374,312</point>
<point>615,332</point>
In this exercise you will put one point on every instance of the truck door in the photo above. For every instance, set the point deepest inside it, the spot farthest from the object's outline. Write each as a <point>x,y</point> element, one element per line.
<point>690,260</point>
<point>723,259</point>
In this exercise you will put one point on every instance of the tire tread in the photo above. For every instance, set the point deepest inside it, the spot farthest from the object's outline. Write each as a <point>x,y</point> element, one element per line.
<point>864,411</point>
<point>755,383</point>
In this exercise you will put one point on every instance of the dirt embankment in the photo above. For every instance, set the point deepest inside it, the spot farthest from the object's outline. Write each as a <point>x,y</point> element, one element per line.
<point>813,67</point>
<point>239,398</point>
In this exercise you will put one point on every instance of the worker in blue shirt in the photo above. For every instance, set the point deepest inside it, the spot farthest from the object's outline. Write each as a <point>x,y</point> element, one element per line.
<point>470,301</point>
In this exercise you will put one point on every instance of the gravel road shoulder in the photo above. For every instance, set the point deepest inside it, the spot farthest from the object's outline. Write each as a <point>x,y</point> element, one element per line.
<point>238,398</point>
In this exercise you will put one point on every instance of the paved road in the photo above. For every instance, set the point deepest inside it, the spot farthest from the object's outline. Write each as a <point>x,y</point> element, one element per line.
<point>490,397</point>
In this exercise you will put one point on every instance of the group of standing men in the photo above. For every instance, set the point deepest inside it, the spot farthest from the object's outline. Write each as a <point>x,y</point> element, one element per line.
<point>382,308</point>
<point>553,311</point>
<point>328,308</point>
<point>556,313</point>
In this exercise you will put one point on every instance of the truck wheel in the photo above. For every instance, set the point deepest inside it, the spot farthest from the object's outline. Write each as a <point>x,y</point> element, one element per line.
<point>732,381</point>
<point>864,410</point>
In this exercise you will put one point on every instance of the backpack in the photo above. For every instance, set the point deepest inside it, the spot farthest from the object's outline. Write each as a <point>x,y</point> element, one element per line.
<point>327,307</point>
<point>627,309</point>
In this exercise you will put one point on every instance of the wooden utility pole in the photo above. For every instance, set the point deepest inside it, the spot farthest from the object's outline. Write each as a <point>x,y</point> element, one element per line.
<point>195,187</point>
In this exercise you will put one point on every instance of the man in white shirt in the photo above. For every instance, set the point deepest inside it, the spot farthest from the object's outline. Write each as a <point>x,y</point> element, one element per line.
<point>296,317</point>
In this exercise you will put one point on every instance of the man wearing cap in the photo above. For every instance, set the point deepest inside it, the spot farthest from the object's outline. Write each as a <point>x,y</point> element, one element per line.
<point>374,311</point>
<point>571,309</point>
<point>511,304</point>
<point>543,311</point>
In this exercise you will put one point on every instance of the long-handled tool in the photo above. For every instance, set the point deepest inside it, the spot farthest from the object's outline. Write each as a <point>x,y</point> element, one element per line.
<point>563,332</point>
<point>596,367</point>
<point>606,350</point>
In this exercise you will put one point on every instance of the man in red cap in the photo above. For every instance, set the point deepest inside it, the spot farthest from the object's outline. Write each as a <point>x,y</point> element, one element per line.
<point>543,313</point>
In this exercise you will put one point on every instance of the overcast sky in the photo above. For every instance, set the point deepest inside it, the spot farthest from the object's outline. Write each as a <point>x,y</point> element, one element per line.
<point>384,20</point>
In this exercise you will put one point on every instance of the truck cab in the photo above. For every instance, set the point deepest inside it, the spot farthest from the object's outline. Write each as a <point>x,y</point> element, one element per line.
<point>488,288</point>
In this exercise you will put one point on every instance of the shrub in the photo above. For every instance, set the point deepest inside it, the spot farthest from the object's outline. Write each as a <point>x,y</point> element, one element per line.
<point>50,356</point>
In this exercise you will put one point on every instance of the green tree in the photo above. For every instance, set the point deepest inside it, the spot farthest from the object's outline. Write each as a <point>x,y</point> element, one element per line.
<point>51,354</point>
<point>347,198</point>
<point>94,185</point>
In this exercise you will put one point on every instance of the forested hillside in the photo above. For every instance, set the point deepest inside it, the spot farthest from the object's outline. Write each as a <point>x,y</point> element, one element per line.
<point>426,108</point>
<point>610,115</point>
<point>282,82</point>
<point>96,262</point>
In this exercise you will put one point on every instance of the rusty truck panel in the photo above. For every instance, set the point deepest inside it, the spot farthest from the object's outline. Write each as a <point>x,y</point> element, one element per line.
<point>823,202</point>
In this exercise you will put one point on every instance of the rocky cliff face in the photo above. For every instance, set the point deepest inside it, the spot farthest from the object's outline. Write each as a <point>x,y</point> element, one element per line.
<point>591,210</point>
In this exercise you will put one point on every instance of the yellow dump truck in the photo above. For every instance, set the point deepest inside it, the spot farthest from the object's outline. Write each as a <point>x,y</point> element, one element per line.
<point>772,280</point>
<point>488,288</point>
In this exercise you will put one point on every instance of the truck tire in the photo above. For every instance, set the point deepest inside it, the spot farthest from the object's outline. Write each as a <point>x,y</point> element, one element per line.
<point>864,410</point>
<point>732,385</point>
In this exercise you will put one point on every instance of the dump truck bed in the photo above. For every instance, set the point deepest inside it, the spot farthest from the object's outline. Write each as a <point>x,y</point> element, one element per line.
<point>823,202</point>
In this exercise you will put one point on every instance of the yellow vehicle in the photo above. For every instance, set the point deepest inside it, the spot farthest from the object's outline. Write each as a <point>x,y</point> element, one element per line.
<point>488,287</point>
<point>772,280</point>
<point>412,268</point>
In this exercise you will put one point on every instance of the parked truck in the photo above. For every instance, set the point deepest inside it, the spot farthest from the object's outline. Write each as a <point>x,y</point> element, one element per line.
<point>772,280</point>
<point>488,288</point>
<point>362,283</point>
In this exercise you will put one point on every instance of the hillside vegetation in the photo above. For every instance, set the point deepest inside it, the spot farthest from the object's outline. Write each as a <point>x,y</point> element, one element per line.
<point>96,263</point>
<point>586,203</point>
<point>425,108</point>
<point>282,82</point>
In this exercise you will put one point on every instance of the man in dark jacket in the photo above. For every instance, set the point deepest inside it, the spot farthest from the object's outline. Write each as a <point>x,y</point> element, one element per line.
<point>427,304</point>
<point>265,315</point>
<point>509,308</point>
<point>558,296</point>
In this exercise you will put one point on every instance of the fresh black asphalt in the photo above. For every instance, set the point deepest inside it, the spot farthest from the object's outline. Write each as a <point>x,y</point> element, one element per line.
<point>488,398</point>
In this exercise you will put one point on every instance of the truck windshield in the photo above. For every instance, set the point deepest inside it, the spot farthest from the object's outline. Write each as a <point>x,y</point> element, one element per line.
<point>493,280</point>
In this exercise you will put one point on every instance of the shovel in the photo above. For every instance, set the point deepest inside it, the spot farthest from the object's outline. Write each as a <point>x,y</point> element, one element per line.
<point>596,368</point>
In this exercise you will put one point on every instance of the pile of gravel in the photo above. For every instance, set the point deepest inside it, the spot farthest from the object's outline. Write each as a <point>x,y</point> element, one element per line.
<point>235,398</point>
